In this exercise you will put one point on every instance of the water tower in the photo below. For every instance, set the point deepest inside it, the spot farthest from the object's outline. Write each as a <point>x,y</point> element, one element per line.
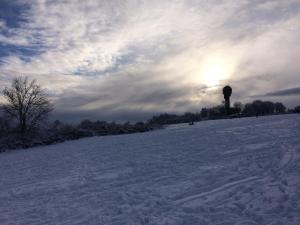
<point>227,91</point>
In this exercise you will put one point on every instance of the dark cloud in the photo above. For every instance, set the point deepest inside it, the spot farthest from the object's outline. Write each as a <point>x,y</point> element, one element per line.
<point>286,92</point>
<point>103,115</point>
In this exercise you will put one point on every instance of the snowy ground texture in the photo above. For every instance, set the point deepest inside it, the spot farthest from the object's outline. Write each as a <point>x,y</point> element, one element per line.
<point>235,172</point>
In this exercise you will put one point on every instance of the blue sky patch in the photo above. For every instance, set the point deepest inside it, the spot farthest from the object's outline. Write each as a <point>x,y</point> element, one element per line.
<point>12,13</point>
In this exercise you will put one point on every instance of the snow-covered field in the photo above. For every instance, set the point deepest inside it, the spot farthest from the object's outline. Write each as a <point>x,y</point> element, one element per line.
<point>234,172</point>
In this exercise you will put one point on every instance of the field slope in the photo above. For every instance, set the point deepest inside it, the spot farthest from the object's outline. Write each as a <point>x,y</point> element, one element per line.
<point>241,171</point>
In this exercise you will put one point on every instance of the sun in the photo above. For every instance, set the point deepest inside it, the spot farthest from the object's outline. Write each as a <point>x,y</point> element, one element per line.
<point>213,75</point>
<point>214,70</point>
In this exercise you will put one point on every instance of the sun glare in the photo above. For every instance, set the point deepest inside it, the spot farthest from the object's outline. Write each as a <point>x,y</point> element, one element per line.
<point>213,75</point>
<point>215,70</point>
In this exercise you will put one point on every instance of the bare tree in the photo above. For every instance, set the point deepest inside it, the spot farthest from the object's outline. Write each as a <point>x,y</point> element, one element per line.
<point>27,103</point>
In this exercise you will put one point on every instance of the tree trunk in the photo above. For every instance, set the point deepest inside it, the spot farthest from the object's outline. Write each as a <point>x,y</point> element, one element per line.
<point>23,126</point>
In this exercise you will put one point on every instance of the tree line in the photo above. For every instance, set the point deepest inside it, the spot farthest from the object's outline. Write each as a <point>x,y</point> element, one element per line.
<point>23,118</point>
<point>24,124</point>
<point>255,108</point>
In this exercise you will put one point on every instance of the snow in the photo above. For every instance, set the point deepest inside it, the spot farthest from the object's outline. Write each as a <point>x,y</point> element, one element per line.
<point>235,172</point>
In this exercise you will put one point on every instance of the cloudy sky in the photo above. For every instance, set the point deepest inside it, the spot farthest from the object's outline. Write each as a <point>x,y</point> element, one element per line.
<point>128,59</point>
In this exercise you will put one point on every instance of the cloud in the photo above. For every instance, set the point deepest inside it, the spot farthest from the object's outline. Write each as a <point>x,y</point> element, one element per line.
<point>134,57</point>
<point>286,92</point>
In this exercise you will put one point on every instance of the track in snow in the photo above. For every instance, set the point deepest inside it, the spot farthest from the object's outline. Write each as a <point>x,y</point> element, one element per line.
<point>219,189</point>
<point>285,161</point>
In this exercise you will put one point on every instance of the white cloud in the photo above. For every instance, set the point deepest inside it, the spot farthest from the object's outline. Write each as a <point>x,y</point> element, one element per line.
<point>122,49</point>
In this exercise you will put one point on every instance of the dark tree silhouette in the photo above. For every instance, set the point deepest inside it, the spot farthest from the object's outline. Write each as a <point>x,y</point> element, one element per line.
<point>204,113</point>
<point>279,107</point>
<point>297,109</point>
<point>268,107</point>
<point>227,91</point>
<point>238,106</point>
<point>259,107</point>
<point>26,102</point>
